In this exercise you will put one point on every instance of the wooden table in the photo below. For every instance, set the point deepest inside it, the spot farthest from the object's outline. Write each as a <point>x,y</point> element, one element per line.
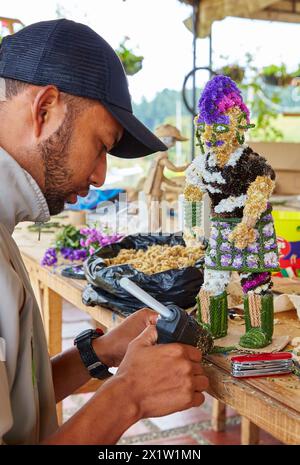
<point>269,403</point>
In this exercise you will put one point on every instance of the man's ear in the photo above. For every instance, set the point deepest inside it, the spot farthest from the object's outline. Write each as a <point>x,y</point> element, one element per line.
<point>47,111</point>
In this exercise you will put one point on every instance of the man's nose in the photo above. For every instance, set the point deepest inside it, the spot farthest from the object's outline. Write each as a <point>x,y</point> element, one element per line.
<point>97,178</point>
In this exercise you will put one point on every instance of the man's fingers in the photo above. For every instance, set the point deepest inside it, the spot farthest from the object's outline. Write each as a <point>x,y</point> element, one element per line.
<point>148,337</point>
<point>198,399</point>
<point>150,316</point>
<point>193,354</point>
<point>201,383</point>
<point>197,369</point>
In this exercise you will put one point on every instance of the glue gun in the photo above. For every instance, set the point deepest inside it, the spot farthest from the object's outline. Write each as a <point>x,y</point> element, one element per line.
<point>175,325</point>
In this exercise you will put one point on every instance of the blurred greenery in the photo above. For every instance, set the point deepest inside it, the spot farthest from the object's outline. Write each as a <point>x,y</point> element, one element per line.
<point>132,63</point>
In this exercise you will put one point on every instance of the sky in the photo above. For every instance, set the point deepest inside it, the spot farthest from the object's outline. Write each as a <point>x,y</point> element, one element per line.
<point>157,32</point>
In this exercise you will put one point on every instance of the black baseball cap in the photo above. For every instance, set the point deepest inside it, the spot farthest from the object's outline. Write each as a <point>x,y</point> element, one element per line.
<point>78,61</point>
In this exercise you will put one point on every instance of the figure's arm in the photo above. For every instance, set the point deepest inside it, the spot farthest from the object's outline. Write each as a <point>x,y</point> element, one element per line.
<point>177,169</point>
<point>258,195</point>
<point>169,182</point>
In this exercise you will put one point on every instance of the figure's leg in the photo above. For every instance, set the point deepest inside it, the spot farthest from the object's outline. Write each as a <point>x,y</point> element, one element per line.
<point>212,302</point>
<point>258,310</point>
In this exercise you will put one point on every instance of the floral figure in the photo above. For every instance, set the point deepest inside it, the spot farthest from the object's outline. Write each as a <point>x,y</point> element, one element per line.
<point>239,183</point>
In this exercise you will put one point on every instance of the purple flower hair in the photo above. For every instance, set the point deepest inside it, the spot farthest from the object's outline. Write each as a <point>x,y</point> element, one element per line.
<point>219,95</point>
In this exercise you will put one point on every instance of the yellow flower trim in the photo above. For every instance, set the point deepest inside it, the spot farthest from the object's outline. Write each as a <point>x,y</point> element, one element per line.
<point>242,236</point>
<point>192,193</point>
<point>258,194</point>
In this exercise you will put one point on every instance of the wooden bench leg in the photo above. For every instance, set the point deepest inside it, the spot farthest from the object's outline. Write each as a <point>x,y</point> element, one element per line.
<point>218,418</point>
<point>52,314</point>
<point>249,432</point>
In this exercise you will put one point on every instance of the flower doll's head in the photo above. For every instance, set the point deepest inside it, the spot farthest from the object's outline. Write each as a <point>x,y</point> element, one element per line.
<point>223,117</point>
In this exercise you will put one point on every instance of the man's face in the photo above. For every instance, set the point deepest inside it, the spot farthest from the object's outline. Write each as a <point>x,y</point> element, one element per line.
<point>74,156</point>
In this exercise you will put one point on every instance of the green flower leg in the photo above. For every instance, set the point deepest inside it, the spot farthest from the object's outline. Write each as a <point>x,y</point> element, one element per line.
<point>212,313</point>
<point>258,336</point>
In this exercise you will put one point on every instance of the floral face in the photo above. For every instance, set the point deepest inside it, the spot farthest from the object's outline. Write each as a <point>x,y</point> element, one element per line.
<point>223,137</point>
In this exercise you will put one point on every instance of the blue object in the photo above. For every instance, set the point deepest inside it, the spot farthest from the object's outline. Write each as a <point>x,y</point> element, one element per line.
<point>94,197</point>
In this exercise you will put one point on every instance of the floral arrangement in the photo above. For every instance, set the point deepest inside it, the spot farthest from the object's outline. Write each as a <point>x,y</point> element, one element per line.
<point>239,183</point>
<point>77,244</point>
<point>219,95</point>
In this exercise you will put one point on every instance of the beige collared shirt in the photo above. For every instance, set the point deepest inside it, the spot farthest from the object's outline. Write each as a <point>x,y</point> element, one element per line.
<point>27,401</point>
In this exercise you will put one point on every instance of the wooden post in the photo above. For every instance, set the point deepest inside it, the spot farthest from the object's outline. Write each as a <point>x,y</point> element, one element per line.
<point>249,432</point>
<point>52,314</point>
<point>218,417</point>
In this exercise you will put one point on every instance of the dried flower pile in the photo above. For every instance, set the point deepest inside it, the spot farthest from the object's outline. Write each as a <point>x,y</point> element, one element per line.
<point>158,258</point>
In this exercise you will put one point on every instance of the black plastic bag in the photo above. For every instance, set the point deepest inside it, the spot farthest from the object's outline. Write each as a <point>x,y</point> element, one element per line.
<point>178,287</point>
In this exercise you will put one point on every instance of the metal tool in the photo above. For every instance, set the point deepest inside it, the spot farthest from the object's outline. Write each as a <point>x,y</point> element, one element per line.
<point>175,325</point>
<point>267,364</point>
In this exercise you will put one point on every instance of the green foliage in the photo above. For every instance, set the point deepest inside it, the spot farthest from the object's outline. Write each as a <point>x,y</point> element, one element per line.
<point>276,75</point>
<point>263,107</point>
<point>69,237</point>
<point>234,71</point>
<point>163,106</point>
<point>132,63</point>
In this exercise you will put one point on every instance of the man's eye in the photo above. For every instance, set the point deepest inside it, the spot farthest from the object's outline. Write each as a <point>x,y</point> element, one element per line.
<point>220,128</point>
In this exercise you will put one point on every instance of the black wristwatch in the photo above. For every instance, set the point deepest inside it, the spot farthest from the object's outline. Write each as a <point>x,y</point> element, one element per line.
<point>83,342</point>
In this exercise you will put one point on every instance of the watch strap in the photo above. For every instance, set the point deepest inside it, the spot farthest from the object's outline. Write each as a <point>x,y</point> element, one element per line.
<point>95,367</point>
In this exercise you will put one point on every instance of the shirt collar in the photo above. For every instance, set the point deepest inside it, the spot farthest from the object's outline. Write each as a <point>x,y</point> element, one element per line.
<point>21,199</point>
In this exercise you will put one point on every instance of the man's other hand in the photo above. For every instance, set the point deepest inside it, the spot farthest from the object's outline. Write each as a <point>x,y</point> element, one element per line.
<point>161,378</point>
<point>112,347</point>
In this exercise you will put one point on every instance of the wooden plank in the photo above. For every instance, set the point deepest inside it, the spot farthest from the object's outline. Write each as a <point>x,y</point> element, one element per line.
<point>52,317</point>
<point>267,413</point>
<point>285,389</point>
<point>52,314</point>
<point>249,432</point>
<point>218,416</point>
<point>71,290</point>
<point>267,15</point>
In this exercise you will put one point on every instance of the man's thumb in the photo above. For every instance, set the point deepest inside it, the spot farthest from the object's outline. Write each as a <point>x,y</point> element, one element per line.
<point>149,336</point>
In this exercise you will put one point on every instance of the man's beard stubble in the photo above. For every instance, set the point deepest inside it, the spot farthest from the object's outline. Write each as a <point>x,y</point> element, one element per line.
<point>55,154</point>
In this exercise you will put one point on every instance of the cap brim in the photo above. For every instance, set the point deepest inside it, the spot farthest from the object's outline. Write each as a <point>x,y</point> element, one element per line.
<point>137,141</point>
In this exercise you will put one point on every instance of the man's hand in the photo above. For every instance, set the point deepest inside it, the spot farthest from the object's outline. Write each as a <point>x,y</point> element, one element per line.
<point>161,378</point>
<point>112,347</point>
<point>242,235</point>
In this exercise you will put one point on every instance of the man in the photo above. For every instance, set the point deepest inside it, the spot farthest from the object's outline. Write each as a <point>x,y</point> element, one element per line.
<point>65,104</point>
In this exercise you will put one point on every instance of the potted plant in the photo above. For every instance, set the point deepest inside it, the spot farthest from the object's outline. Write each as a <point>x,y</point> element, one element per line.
<point>276,75</point>
<point>234,71</point>
<point>132,63</point>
